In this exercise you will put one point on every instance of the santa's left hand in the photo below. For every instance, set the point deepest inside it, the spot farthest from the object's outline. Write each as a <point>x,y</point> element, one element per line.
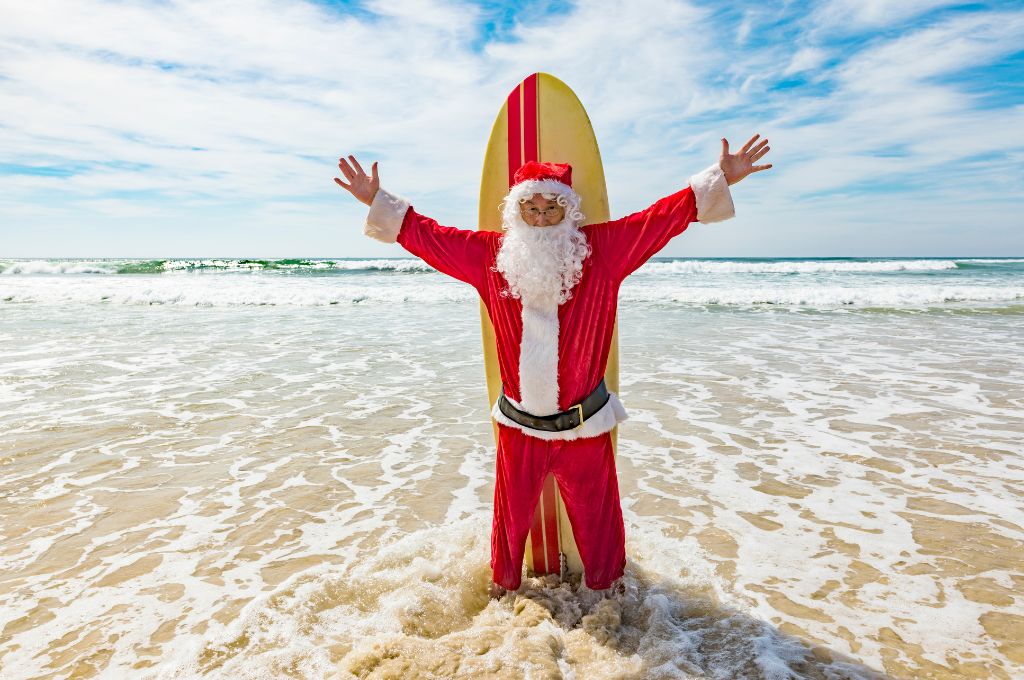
<point>737,166</point>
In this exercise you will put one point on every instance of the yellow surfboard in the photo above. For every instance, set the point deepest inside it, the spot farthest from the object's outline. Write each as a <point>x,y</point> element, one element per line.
<point>543,120</point>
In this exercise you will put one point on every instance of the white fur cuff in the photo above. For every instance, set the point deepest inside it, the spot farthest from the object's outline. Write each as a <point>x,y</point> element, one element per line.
<point>603,421</point>
<point>714,201</point>
<point>386,215</point>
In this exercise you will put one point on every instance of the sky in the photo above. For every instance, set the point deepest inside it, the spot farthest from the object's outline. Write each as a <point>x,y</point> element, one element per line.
<point>212,129</point>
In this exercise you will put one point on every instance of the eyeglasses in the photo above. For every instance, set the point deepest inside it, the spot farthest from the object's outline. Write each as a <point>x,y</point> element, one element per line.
<point>551,212</point>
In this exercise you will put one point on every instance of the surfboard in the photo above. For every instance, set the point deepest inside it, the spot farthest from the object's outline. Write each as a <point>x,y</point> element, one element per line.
<point>542,119</point>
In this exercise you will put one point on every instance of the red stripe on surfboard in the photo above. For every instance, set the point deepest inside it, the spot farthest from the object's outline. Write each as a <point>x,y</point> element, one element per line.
<point>523,133</point>
<point>514,134</point>
<point>537,537</point>
<point>544,532</point>
<point>551,526</point>
<point>530,115</point>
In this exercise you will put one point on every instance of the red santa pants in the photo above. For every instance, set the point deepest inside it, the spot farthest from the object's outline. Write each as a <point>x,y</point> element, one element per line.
<point>585,472</point>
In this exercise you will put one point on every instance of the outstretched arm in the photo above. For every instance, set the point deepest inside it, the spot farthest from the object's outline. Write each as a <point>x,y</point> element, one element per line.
<point>460,253</point>
<point>627,243</point>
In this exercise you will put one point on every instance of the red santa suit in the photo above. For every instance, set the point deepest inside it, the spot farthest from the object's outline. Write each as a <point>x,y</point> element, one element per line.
<point>552,358</point>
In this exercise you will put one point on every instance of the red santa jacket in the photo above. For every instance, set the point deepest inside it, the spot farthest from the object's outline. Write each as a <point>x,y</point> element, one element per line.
<point>550,359</point>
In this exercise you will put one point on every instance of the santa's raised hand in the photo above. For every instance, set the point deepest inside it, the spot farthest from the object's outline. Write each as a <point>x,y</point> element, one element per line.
<point>360,185</point>
<point>739,165</point>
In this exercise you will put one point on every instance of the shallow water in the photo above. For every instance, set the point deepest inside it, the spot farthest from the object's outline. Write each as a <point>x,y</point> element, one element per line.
<point>245,480</point>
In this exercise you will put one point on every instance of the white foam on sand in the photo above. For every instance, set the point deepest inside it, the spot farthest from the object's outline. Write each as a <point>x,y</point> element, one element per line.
<point>418,608</point>
<point>204,492</point>
<point>829,461</point>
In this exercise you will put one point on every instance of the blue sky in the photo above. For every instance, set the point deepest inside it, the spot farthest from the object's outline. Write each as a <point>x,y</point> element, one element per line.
<point>175,129</point>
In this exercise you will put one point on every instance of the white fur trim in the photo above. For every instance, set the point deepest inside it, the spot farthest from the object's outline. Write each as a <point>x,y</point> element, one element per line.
<point>538,360</point>
<point>714,201</point>
<point>526,190</point>
<point>603,421</point>
<point>387,212</point>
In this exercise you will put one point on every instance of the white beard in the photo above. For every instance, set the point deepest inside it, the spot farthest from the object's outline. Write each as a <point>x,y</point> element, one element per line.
<point>542,264</point>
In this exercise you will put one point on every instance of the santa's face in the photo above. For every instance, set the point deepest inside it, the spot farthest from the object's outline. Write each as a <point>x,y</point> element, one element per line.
<point>538,211</point>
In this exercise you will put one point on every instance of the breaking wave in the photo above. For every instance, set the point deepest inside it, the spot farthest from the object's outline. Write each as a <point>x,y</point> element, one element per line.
<point>794,266</point>
<point>412,265</point>
<point>220,292</point>
<point>211,265</point>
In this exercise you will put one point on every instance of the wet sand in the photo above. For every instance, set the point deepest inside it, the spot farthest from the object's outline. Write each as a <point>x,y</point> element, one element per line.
<point>275,493</point>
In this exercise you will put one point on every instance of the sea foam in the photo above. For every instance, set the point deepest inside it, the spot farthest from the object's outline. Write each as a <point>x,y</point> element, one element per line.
<point>222,291</point>
<point>793,267</point>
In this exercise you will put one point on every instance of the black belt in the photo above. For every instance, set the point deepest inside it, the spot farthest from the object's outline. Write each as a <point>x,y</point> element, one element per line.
<point>557,422</point>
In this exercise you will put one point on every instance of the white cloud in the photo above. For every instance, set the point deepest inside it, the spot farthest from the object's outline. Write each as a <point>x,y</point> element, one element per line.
<point>193,106</point>
<point>860,14</point>
<point>745,26</point>
<point>887,119</point>
<point>943,48</point>
<point>254,84</point>
<point>806,59</point>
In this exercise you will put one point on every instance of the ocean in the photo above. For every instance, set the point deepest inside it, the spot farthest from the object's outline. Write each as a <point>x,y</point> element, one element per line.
<point>227,468</point>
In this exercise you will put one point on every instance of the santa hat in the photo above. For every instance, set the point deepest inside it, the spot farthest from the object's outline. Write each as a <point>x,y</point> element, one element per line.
<point>560,172</point>
<point>536,177</point>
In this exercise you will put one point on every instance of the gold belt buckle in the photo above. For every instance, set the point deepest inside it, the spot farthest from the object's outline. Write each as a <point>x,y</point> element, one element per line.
<point>579,408</point>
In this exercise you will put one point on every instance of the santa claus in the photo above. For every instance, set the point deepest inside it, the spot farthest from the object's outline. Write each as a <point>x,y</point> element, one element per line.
<point>550,286</point>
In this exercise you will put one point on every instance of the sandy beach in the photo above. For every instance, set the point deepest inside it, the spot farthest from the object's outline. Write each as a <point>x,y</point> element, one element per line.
<point>285,470</point>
